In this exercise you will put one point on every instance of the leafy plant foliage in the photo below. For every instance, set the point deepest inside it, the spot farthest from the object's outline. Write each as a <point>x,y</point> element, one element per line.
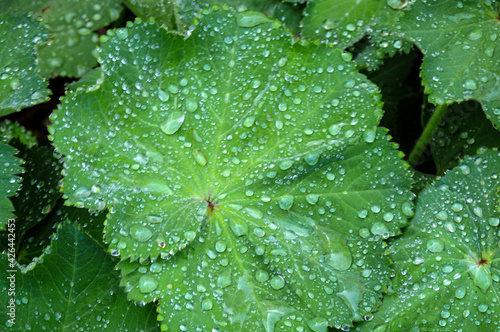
<point>225,167</point>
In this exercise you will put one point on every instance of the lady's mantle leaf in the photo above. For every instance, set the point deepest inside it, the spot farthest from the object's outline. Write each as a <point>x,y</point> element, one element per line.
<point>447,266</point>
<point>459,40</point>
<point>249,169</point>
<point>20,84</point>
<point>73,287</point>
<point>9,182</point>
<point>72,25</point>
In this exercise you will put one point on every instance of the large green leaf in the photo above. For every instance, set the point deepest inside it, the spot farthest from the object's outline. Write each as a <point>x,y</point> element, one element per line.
<point>447,265</point>
<point>459,42</point>
<point>20,83</point>
<point>344,22</point>
<point>72,25</point>
<point>73,287</point>
<point>9,182</point>
<point>179,15</point>
<point>242,165</point>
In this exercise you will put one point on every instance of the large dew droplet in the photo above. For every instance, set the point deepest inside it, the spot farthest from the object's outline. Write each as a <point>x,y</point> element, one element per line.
<point>435,245</point>
<point>285,202</point>
<point>140,233</point>
<point>173,123</point>
<point>147,284</point>
<point>318,324</point>
<point>340,257</point>
<point>199,157</point>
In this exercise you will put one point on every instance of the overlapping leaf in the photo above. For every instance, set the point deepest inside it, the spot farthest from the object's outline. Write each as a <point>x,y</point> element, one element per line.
<point>72,25</point>
<point>9,181</point>
<point>447,266</point>
<point>20,83</point>
<point>73,287</point>
<point>179,15</point>
<point>460,42</point>
<point>248,168</point>
<point>345,22</point>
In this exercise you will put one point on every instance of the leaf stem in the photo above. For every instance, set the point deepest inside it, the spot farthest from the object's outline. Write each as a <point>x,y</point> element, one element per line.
<point>426,136</point>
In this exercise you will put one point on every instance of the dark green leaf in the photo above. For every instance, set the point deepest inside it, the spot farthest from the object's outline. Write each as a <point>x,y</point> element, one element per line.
<point>459,42</point>
<point>9,182</point>
<point>73,287</point>
<point>20,83</point>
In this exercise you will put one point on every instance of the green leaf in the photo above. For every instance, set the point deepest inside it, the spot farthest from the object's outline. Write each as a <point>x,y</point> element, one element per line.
<point>20,83</point>
<point>73,287</point>
<point>39,187</point>
<point>179,15</point>
<point>73,25</point>
<point>240,164</point>
<point>11,130</point>
<point>447,266</point>
<point>463,129</point>
<point>345,22</point>
<point>460,46</point>
<point>9,182</point>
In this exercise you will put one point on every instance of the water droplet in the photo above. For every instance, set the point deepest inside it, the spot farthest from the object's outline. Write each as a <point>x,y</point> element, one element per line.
<point>164,96</point>
<point>483,307</point>
<point>191,105</point>
<point>457,207</point>
<point>147,284</point>
<point>478,211</point>
<point>220,246</point>
<point>238,227</point>
<point>494,222</point>
<point>199,157</point>
<point>334,129</point>
<point>224,279</point>
<point>460,292</point>
<point>475,35</point>
<point>261,275</point>
<point>340,257</point>
<point>285,202</point>
<point>435,245</point>
<point>286,164</point>
<point>253,212</point>
<point>140,233</point>
<point>277,282</point>
<point>250,19</point>
<point>370,135</point>
<point>312,198</point>
<point>206,304</point>
<point>190,235</point>
<point>397,4</point>
<point>121,33</point>
<point>379,228</point>
<point>470,84</point>
<point>318,324</point>
<point>248,122</point>
<point>173,123</point>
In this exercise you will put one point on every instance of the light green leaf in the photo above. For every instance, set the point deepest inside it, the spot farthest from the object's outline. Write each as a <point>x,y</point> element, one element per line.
<point>179,15</point>
<point>9,182</point>
<point>344,22</point>
<point>73,287</point>
<point>20,83</point>
<point>72,25</point>
<point>447,265</point>
<point>459,40</point>
<point>243,166</point>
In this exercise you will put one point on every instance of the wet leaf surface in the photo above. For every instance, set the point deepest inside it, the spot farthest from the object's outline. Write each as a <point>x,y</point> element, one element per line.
<point>20,83</point>
<point>447,267</point>
<point>73,287</point>
<point>459,40</point>
<point>9,182</point>
<point>244,172</point>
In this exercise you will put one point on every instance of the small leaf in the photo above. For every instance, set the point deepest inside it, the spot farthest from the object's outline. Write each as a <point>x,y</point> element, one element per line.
<point>460,46</point>
<point>275,189</point>
<point>447,267</point>
<point>20,83</point>
<point>73,286</point>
